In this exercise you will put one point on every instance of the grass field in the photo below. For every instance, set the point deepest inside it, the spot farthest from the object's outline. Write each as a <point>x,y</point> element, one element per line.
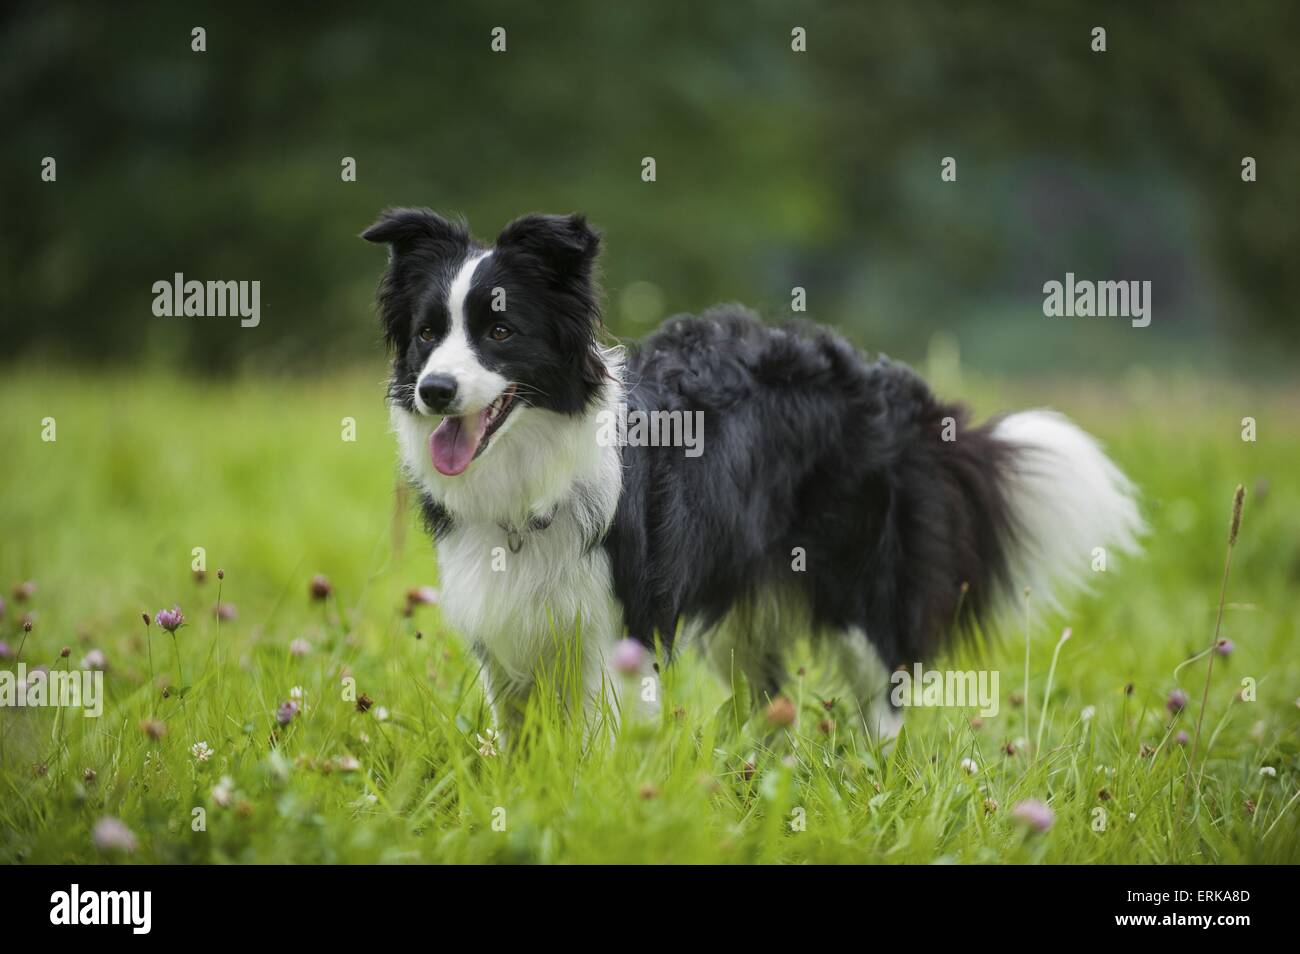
<point>104,520</point>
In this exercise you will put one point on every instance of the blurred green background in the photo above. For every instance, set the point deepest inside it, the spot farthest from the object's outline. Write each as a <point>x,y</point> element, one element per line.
<point>775,169</point>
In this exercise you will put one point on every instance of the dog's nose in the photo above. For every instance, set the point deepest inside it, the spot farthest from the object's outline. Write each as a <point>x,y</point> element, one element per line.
<point>437,391</point>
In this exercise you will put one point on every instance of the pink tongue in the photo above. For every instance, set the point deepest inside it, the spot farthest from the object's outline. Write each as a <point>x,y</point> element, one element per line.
<point>454,443</point>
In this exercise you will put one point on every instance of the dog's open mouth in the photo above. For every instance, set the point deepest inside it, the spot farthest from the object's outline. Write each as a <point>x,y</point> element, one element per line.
<point>458,440</point>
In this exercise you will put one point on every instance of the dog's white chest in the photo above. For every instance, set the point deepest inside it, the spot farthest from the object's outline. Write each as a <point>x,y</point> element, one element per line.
<point>523,606</point>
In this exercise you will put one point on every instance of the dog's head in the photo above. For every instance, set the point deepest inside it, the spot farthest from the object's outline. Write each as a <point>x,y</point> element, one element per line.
<point>482,335</point>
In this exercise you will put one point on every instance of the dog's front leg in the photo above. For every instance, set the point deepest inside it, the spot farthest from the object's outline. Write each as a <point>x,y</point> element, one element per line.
<point>506,697</point>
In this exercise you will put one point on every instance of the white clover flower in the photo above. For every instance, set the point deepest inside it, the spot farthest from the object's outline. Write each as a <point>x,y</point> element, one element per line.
<point>296,693</point>
<point>111,835</point>
<point>299,648</point>
<point>487,743</point>
<point>201,751</point>
<point>1087,713</point>
<point>223,792</point>
<point>969,766</point>
<point>1268,771</point>
<point>381,714</point>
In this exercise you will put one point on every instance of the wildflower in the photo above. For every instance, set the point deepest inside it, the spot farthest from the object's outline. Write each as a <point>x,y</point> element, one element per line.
<point>1224,647</point>
<point>299,648</point>
<point>201,751</point>
<point>89,776</point>
<point>347,763</point>
<point>1087,713</point>
<point>285,713</point>
<point>170,619</point>
<point>200,576</point>
<point>969,766</point>
<point>381,714</point>
<point>487,743</point>
<point>1268,771</point>
<point>28,622</point>
<point>364,702</point>
<point>225,612</point>
<point>1034,815</point>
<point>153,728</point>
<point>223,792</point>
<point>1132,816</point>
<point>648,791</point>
<point>2,607</point>
<point>320,587</point>
<point>826,726</point>
<point>94,660</point>
<point>65,652</point>
<point>781,711</point>
<point>1176,702</point>
<point>1182,738</point>
<point>24,591</point>
<point>628,657</point>
<point>111,835</point>
<point>976,723</point>
<point>5,651</point>
<point>990,806</point>
<point>420,596</point>
<point>296,695</point>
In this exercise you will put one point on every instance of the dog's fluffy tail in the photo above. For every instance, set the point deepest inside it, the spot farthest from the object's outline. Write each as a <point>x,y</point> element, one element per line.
<point>1071,509</point>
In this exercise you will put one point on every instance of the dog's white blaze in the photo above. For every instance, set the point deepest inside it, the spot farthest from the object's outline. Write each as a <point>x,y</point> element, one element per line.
<point>1068,498</point>
<point>476,386</point>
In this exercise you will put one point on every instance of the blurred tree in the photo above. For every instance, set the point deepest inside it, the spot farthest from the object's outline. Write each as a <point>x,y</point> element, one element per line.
<point>776,168</point>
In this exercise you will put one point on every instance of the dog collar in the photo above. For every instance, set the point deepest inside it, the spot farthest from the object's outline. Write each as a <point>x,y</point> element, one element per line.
<point>515,534</point>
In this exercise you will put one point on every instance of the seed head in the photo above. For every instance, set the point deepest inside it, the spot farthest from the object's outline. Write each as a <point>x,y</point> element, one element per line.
<point>1238,499</point>
<point>781,711</point>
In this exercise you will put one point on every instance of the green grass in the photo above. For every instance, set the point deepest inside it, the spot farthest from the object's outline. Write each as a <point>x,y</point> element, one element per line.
<point>144,469</point>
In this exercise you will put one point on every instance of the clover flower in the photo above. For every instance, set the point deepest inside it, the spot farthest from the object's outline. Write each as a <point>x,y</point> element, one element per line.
<point>110,835</point>
<point>170,619</point>
<point>1034,815</point>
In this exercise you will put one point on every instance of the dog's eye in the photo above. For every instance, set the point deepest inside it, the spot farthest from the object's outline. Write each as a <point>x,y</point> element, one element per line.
<point>500,333</point>
<point>426,333</point>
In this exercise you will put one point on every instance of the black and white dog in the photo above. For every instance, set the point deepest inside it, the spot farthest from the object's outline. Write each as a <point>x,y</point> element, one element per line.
<point>833,496</point>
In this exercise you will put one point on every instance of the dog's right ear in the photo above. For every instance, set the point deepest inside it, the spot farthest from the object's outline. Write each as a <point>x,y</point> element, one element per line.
<point>403,228</point>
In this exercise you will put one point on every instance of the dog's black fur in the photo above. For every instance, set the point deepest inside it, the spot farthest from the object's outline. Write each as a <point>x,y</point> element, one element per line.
<point>809,447</point>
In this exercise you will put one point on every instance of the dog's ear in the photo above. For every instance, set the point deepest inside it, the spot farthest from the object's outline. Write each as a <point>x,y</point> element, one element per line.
<point>564,242</point>
<point>402,228</point>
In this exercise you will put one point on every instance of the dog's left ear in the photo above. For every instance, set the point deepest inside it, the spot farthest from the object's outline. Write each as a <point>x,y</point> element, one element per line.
<point>564,242</point>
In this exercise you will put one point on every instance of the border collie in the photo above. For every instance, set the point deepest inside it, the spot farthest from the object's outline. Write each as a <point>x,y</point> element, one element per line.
<point>834,496</point>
